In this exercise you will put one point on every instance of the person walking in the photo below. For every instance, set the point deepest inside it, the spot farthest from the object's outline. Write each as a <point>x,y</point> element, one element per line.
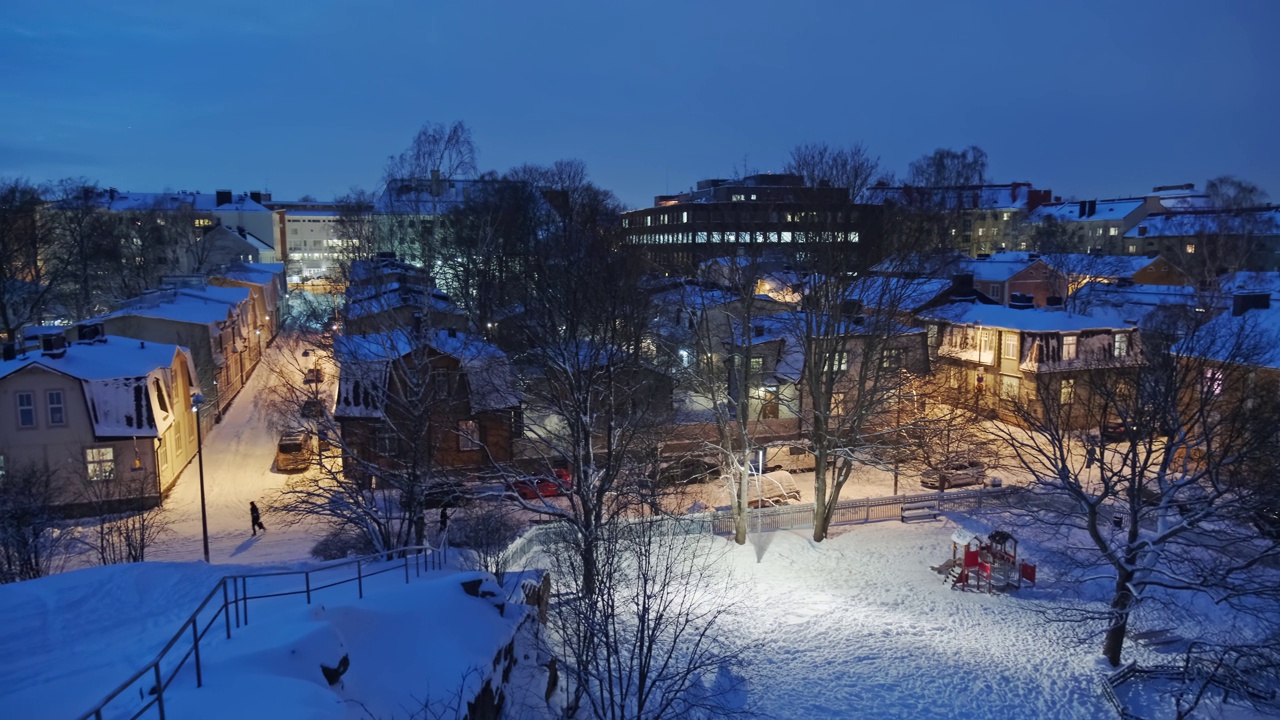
<point>255,519</point>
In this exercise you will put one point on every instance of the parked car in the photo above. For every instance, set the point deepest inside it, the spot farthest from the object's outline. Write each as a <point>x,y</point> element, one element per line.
<point>959,473</point>
<point>295,451</point>
<point>688,470</point>
<point>534,487</point>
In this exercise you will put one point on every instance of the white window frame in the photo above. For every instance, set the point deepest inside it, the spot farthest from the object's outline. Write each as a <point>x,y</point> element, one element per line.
<point>100,463</point>
<point>1070,347</point>
<point>26,403</point>
<point>1067,391</point>
<point>468,435</point>
<point>60,406</point>
<point>1010,387</point>
<point>1009,349</point>
<point>1120,345</point>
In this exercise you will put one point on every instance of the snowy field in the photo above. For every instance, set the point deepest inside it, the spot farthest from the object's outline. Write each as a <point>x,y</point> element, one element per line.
<point>858,626</point>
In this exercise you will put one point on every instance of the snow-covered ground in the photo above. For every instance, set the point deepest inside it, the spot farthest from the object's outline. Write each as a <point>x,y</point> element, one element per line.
<point>857,626</point>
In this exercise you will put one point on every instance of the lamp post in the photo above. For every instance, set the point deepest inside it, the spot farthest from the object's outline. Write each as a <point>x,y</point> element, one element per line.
<point>196,401</point>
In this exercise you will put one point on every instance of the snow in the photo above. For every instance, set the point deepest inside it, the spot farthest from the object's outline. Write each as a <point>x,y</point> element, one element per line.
<point>1029,319</point>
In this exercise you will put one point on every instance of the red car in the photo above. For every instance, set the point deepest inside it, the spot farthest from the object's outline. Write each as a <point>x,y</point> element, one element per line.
<point>532,488</point>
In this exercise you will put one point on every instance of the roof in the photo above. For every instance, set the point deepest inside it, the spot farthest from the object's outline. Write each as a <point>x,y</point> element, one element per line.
<point>1027,320</point>
<point>1252,338</point>
<point>999,267</point>
<point>1010,196</point>
<point>1255,221</point>
<point>113,372</point>
<point>1103,210</point>
<point>364,361</point>
<point>1111,266</point>
<point>1251,282</point>
<point>896,294</point>
<point>170,305</point>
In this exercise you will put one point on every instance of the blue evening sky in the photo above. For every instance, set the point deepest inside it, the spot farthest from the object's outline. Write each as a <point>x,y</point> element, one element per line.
<point>1091,98</point>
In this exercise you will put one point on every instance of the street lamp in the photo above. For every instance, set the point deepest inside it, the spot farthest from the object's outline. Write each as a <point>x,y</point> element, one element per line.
<point>196,401</point>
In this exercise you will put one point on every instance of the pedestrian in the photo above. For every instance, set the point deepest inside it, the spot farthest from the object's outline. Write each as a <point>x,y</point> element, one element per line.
<point>255,519</point>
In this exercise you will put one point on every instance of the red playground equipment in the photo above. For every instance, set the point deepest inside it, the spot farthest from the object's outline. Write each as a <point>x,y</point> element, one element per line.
<point>992,562</point>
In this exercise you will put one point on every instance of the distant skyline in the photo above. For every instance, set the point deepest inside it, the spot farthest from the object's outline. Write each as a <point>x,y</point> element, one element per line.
<point>1090,99</point>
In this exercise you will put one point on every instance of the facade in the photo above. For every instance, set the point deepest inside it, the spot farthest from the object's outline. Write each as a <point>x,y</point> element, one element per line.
<point>996,359</point>
<point>1213,240</point>
<point>449,393</point>
<point>1101,225</point>
<point>1006,275</point>
<point>217,324</point>
<point>775,213</point>
<point>108,417</point>
<point>267,291</point>
<point>384,293</point>
<point>311,238</point>
<point>983,219</point>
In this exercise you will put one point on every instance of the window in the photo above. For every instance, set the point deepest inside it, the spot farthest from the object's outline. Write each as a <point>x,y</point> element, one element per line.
<point>1113,231</point>
<point>1191,248</point>
<point>1069,347</point>
<point>1010,349</point>
<point>738,198</point>
<point>756,363</point>
<point>840,360</point>
<point>891,358</point>
<point>1009,387</point>
<point>57,409</point>
<point>1133,248</point>
<point>385,440</point>
<point>684,216</point>
<point>997,291</point>
<point>982,231</point>
<point>932,333</point>
<point>837,404</point>
<point>1119,345</point>
<point>1067,391</point>
<point>1099,232</point>
<point>1004,216</point>
<point>1213,381</point>
<point>517,422</point>
<point>26,409</point>
<point>100,463</point>
<point>468,435</point>
<point>985,341</point>
<point>2,470</point>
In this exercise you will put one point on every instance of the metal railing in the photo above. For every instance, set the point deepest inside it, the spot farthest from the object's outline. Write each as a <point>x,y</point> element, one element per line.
<point>228,601</point>
<point>847,512</point>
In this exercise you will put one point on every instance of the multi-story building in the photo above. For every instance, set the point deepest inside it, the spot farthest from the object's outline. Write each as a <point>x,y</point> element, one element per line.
<point>978,219</point>
<point>777,214</point>
<point>311,238</point>
<point>106,419</point>
<point>1214,240</point>
<point>1101,225</point>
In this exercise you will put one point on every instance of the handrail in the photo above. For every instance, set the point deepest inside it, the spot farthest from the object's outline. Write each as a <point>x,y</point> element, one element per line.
<point>239,599</point>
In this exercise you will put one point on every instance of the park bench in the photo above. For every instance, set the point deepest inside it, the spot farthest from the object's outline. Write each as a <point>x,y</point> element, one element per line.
<point>920,510</point>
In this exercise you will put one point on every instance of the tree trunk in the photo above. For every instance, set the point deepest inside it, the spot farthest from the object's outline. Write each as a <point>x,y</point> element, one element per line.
<point>1121,602</point>
<point>742,518</point>
<point>820,496</point>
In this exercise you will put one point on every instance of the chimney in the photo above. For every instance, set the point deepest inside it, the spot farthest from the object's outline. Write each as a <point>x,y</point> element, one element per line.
<point>436,186</point>
<point>222,197</point>
<point>255,196</point>
<point>453,332</point>
<point>1093,208</point>
<point>10,350</point>
<point>759,330</point>
<point>1242,302</point>
<point>962,286</point>
<point>53,346</point>
<point>88,332</point>
<point>1021,301</point>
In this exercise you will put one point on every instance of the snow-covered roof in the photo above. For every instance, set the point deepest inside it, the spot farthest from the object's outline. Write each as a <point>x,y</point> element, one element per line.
<point>1255,221</point>
<point>206,309</point>
<point>365,361</point>
<point>114,373</point>
<point>247,237</point>
<point>1251,282</point>
<point>1110,266</point>
<point>252,273</point>
<point>1103,210</point>
<point>1011,196</point>
<point>999,267</point>
<point>894,293</point>
<point>1029,319</point>
<point>1252,338</point>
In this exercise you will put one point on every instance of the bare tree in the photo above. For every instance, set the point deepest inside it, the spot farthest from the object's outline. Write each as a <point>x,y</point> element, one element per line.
<point>1147,465</point>
<point>87,252</point>
<point>32,544</point>
<point>449,152</point>
<point>120,535</point>
<point>645,639</point>
<point>822,165</point>
<point>25,238</point>
<point>946,168</point>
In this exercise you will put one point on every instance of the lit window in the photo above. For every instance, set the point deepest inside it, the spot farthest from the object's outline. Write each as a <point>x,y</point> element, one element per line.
<point>684,216</point>
<point>1010,349</point>
<point>1069,347</point>
<point>468,435</point>
<point>982,231</point>
<point>1067,392</point>
<point>840,360</point>
<point>891,358</point>
<point>26,409</point>
<point>1113,231</point>
<point>100,463</point>
<point>756,363</point>
<point>1191,248</point>
<point>2,471</point>
<point>1119,345</point>
<point>1133,248</point>
<point>1213,381</point>
<point>1004,216</point>
<point>837,404</point>
<point>1099,231</point>
<point>57,409</point>
<point>1009,387</point>
<point>738,198</point>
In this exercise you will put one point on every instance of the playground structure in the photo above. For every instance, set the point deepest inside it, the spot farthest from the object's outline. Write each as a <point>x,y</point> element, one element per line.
<point>992,562</point>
